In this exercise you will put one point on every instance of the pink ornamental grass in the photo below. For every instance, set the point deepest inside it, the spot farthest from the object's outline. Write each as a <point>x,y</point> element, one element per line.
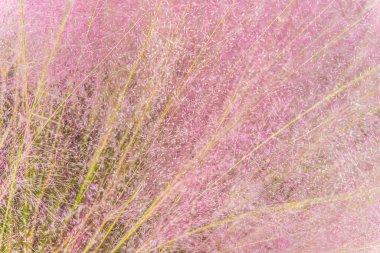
<point>189,126</point>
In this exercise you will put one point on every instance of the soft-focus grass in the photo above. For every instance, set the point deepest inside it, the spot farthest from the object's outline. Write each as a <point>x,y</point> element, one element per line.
<point>119,165</point>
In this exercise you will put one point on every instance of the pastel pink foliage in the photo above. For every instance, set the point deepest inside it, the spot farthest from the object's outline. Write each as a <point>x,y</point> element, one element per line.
<point>270,142</point>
